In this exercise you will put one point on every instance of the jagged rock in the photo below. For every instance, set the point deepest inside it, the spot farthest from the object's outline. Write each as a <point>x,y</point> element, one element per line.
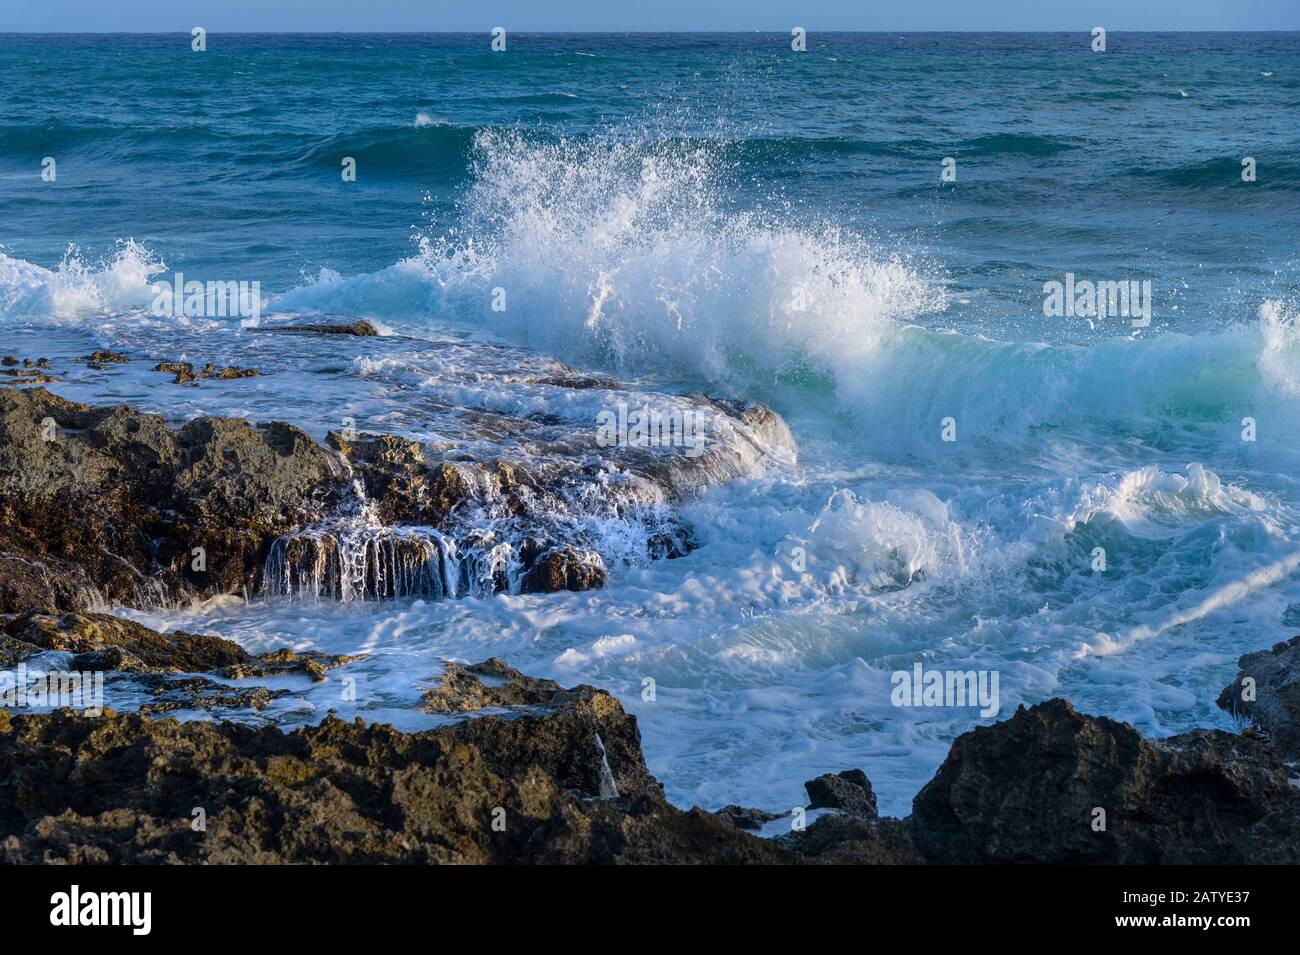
<point>200,693</point>
<point>104,358</point>
<point>285,662</point>
<point>360,328</point>
<point>27,376</point>
<point>852,840</point>
<point>565,569</point>
<point>744,817</point>
<point>103,505</point>
<point>104,642</point>
<point>1026,790</point>
<point>338,792</point>
<point>462,688</point>
<point>1275,708</point>
<point>185,373</point>
<point>405,489</point>
<point>563,778</point>
<point>13,651</point>
<point>109,503</point>
<point>849,791</point>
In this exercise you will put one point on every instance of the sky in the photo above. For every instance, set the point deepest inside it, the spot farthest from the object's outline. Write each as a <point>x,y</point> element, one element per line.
<point>143,16</point>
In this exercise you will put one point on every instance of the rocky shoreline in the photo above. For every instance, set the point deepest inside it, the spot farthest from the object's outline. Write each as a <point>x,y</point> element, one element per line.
<point>108,506</point>
<point>531,772</point>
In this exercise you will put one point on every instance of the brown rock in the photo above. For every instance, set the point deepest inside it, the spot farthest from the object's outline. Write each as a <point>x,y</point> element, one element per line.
<point>462,688</point>
<point>104,642</point>
<point>565,569</point>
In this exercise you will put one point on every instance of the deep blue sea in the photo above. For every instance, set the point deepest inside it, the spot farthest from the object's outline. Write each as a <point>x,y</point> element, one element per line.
<point>719,213</point>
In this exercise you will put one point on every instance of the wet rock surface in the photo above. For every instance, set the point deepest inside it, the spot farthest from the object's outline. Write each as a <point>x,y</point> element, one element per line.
<point>361,328</point>
<point>186,373</point>
<point>1271,698</point>
<point>101,641</point>
<point>464,689</point>
<point>25,376</point>
<point>528,771</point>
<point>285,662</point>
<point>106,503</point>
<point>199,693</point>
<point>111,506</point>
<point>557,777</point>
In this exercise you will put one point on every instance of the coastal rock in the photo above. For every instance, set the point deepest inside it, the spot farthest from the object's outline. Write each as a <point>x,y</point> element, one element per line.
<point>361,328</point>
<point>564,569</point>
<point>849,791</point>
<point>186,373</point>
<point>338,792</point>
<point>464,689</point>
<point>285,662</point>
<point>405,488</point>
<point>199,693</point>
<point>558,778</point>
<point>104,642</point>
<point>1273,702</point>
<point>526,771</point>
<point>1028,790</point>
<point>835,839</point>
<point>746,817</point>
<point>108,504</point>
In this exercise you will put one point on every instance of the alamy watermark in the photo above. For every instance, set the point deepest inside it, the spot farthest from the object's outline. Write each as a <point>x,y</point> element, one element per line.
<point>649,427</point>
<point>1083,298</point>
<point>196,299</point>
<point>922,687</point>
<point>81,690</point>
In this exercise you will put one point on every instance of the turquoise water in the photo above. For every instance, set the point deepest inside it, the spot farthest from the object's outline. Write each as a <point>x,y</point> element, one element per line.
<point>717,213</point>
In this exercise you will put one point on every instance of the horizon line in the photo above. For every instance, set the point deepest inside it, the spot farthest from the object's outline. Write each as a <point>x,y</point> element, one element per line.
<point>780,32</point>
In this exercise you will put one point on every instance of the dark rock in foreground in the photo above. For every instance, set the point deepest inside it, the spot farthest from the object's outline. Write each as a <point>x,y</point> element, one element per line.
<point>748,818</point>
<point>562,782</point>
<point>527,771</point>
<point>852,840</point>
<point>1030,789</point>
<point>558,777</point>
<point>849,791</point>
<point>1271,701</point>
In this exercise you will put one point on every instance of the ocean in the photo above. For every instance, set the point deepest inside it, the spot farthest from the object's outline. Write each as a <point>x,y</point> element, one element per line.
<point>1089,500</point>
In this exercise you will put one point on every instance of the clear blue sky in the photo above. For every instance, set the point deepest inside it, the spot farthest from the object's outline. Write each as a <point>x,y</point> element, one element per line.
<point>93,16</point>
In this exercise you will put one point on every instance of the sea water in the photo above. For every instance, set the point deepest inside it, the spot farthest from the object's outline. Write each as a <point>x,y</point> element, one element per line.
<point>864,236</point>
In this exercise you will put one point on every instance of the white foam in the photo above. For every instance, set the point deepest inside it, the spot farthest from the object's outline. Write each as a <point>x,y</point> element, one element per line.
<point>76,289</point>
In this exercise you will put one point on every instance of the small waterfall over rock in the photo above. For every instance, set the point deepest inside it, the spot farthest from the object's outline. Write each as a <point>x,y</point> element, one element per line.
<point>360,564</point>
